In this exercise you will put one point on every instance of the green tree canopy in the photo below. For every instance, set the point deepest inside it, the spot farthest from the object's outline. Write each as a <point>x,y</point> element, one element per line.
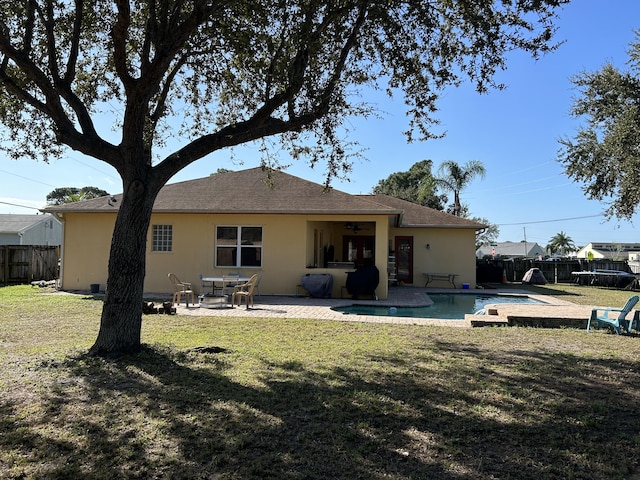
<point>488,235</point>
<point>455,178</point>
<point>200,76</point>
<point>73,194</point>
<point>604,155</point>
<point>561,243</point>
<point>417,185</point>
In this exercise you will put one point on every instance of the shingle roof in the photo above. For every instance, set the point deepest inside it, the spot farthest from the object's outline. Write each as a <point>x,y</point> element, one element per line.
<point>10,223</point>
<point>246,191</point>
<point>415,215</point>
<point>511,249</point>
<point>253,191</point>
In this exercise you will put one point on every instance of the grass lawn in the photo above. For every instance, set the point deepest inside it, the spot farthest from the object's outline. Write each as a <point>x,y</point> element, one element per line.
<point>217,398</point>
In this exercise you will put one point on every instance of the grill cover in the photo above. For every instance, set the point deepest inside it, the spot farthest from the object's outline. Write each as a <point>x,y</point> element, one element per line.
<point>363,281</point>
<point>318,284</point>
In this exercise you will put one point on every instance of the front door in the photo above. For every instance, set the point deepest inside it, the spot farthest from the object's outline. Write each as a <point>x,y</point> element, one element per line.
<point>404,259</point>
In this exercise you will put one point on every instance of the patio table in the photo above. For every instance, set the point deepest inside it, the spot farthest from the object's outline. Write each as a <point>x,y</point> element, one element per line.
<point>448,277</point>
<point>223,281</point>
<point>219,301</point>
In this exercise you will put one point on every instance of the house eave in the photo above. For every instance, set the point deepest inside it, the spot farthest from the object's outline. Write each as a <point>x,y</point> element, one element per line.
<point>447,226</point>
<point>238,211</point>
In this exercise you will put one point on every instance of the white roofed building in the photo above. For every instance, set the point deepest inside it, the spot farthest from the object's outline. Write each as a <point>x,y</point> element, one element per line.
<point>510,250</point>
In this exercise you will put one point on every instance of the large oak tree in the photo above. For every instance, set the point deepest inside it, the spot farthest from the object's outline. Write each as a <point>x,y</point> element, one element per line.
<point>216,74</point>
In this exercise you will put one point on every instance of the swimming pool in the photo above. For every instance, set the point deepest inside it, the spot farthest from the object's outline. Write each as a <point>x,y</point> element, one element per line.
<point>445,305</point>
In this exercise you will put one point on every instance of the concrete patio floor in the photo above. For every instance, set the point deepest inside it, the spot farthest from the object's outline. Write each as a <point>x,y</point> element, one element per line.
<point>554,313</point>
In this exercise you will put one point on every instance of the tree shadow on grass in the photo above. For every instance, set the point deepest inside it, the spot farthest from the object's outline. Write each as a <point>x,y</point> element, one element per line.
<point>551,292</point>
<point>188,414</point>
<point>566,415</point>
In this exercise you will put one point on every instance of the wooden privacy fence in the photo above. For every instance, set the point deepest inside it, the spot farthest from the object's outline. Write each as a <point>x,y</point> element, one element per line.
<point>28,263</point>
<point>490,271</point>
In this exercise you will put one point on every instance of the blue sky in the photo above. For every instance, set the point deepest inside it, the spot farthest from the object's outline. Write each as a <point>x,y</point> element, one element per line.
<point>514,133</point>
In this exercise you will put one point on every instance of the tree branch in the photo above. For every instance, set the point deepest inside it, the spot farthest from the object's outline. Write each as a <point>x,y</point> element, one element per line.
<point>75,43</point>
<point>89,142</point>
<point>151,35</point>
<point>29,26</point>
<point>166,88</point>
<point>262,124</point>
<point>351,42</point>
<point>63,85</point>
<point>298,66</point>
<point>52,52</point>
<point>119,34</point>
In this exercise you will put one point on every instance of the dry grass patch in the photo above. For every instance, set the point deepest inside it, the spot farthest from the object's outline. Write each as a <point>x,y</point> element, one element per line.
<point>307,399</point>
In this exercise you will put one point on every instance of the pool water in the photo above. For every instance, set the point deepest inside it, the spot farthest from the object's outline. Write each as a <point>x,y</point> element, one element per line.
<point>445,305</point>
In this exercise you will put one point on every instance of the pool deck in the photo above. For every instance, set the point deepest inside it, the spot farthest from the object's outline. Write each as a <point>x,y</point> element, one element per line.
<point>556,314</point>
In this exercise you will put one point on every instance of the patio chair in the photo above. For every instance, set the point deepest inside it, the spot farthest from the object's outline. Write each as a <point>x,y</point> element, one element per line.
<point>601,316</point>
<point>256,289</point>
<point>181,288</point>
<point>244,291</point>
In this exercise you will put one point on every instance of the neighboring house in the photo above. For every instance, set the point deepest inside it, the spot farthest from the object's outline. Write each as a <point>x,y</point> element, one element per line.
<point>45,230</point>
<point>510,250</point>
<point>283,228</point>
<point>608,250</point>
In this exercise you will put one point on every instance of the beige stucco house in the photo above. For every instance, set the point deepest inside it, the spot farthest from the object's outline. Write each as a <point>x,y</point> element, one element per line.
<point>282,227</point>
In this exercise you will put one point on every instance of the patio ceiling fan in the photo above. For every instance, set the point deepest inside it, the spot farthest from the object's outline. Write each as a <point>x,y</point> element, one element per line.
<point>353,226</point>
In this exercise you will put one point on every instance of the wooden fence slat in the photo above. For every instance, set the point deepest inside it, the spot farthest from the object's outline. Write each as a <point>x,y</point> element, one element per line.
<point>27,263</point>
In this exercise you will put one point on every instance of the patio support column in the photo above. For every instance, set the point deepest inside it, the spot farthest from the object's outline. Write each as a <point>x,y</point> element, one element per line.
<point>382,255</point>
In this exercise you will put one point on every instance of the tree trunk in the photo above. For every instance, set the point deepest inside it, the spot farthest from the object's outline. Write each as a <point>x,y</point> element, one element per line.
<point>457,207</point>
<point>121,321</point>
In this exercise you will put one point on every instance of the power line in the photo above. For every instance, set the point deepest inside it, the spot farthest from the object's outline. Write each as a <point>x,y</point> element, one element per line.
<point>53,186</point>
<point>89,166</point>
<point>517,185</point>
<point>17,205</point>
<point>27,178</point>
<point>518,172</point>
<point>550,221</point>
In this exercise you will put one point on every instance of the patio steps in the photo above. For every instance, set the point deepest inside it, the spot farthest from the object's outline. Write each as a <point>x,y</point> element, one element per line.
<point>491,319</point>
<point>542,316</point>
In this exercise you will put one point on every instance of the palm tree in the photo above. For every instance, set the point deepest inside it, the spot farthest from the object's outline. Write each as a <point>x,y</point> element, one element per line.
<point>561,243</point>
<point>454,178</point>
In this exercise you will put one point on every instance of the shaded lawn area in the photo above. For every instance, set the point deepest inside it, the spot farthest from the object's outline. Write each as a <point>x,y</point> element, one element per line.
<point>307,399</point>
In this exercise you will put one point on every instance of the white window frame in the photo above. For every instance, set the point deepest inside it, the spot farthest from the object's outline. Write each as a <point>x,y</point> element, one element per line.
<point>239,246</point>
<point>162,238</point>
